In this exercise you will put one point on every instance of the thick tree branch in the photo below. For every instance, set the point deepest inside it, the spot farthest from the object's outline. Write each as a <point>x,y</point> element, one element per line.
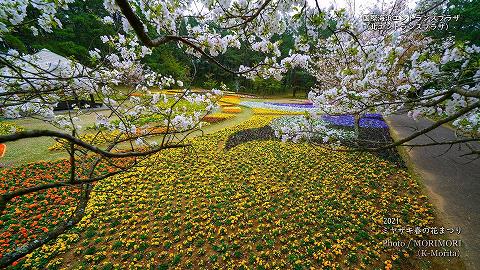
<point>444,143</point>
<point>50,133</point>
<point>427,129</point>
<point>141,33</point>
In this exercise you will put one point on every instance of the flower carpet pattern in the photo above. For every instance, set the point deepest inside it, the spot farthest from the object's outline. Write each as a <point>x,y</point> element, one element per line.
<point>308,105</point>
<point>289,107</point>
<point>262,111</point>
<point>30,216</point>
<point>92,138</point>
<point>259,205</point>
<point>229,100</point>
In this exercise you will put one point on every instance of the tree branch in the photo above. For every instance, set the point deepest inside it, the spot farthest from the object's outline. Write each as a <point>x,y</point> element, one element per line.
<point>140,31</point>
<point>70,138</point>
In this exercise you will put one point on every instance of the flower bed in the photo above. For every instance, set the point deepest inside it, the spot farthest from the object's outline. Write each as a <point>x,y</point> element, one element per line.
<point>293,105</point>
<point>8,127</point>
<point>279,106</point>
<point>224,104</point>
<point>367,121</point>
<point>136,94</point>
<point>234,109</point>
<point>261,111</point>
<point>104,137</point>
<point>217,117</point>
<point>3,149</point>
<point>259,204</point>
<point>230,100</point>
<point>28,217</point>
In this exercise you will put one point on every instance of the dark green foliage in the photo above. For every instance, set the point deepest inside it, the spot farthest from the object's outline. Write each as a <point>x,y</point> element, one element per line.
<point>14,43</point>
<point>81,31</point>
<point>83,27</point>
<point>467,27</point>
<point>167,60</point>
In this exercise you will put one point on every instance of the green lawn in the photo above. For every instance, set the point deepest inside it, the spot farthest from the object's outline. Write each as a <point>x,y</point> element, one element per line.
<point>36,149</point>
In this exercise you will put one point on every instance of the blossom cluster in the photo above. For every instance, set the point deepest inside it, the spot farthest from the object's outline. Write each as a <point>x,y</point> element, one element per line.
<point>14,13</point>
<point>302,128</point>
<point>360,71</point>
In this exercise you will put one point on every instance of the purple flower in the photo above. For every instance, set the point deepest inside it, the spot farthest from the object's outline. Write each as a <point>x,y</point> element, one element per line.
<point>294,105</point>
<point>339,120</point>
<point>367,121</point>
<point>372,123</point>
<point>373,115</point>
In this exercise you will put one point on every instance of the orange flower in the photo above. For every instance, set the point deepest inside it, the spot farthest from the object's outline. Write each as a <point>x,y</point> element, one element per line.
<point>33,205</point>
<point>3,149</point>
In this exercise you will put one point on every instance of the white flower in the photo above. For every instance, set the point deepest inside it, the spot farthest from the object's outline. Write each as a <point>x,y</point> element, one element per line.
<point>139,141</point>
<point>94,53</point>
<point>217,92</point>
<point>34,30</point>
<point>107,20</point>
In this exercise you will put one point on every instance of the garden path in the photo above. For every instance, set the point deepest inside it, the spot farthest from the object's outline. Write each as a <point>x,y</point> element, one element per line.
<point>452,181</point>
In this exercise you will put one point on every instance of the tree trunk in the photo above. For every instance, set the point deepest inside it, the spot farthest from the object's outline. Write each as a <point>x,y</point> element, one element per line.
<point>293,84</point>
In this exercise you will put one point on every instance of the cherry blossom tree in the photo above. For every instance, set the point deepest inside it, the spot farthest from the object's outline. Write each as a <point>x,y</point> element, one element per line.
<point>360,71</point>
<point>31,87</point>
